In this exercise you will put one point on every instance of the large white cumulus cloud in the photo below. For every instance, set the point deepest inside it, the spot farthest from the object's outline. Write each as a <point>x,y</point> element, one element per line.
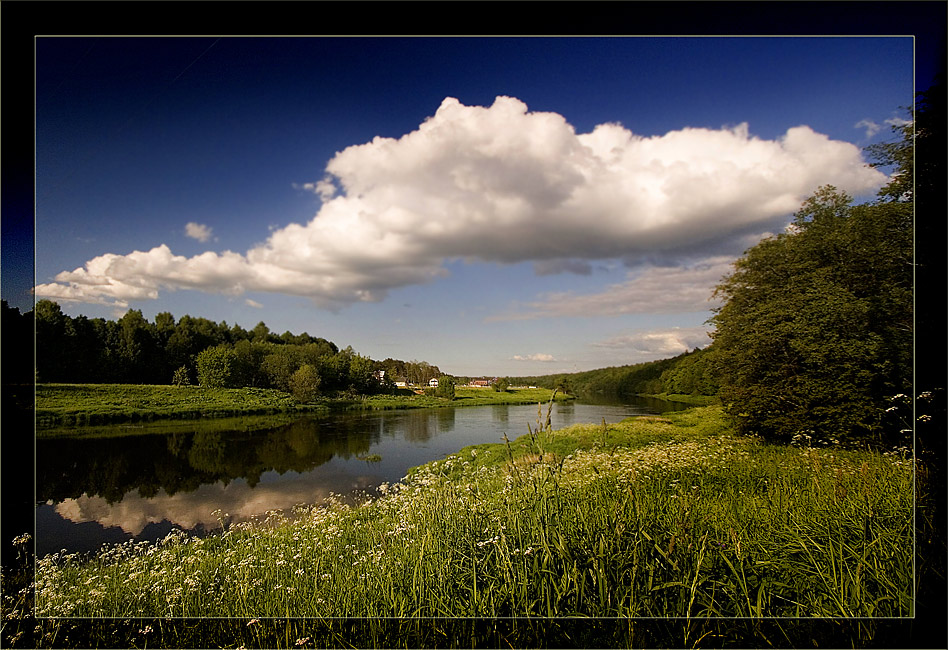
<point>500,184</point>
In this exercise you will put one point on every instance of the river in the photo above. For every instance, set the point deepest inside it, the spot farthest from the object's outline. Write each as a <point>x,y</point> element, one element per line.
<point>132,484</point>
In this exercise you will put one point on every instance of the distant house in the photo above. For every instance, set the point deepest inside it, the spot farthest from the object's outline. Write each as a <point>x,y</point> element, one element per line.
<point>433,383</point>
<point>480,383</point>
<point>380,376</point>
<point>401,384</point>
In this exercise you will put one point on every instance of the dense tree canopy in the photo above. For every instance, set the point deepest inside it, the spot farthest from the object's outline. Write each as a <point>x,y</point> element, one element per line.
<point>815,334</point>
<point>688,373</point>
<point>199,351</point>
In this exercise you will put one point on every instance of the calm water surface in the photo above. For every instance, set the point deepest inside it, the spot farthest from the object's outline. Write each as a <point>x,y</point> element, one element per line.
<point>109,489</point>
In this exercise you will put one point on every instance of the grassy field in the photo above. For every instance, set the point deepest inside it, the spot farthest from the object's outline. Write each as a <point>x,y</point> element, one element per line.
<point>68,404</point>
<point>90,404</point>
<point>463,397</point>
<point>668,516</point>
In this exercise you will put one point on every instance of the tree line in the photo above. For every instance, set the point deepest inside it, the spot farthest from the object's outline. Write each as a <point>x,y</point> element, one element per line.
<point>193,350</point>
<point>685,374</point>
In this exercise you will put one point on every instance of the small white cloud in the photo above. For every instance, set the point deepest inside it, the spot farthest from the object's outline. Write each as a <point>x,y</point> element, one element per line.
<point>534,357</point>
<point>871,127</point>
<point>897,121</point>
<point>253,303</point>
<point>197,231</point>
<point>324,189</point>
<point>659,343</point>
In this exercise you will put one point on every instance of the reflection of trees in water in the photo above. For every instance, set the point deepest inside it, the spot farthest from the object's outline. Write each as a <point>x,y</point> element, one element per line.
<point>445,420</point>
<point>565,413</point>
<point>182,462</point>
<point>500,413</point>
<point>413,425</point>
<point>420,426</point>
<point>207,451</point>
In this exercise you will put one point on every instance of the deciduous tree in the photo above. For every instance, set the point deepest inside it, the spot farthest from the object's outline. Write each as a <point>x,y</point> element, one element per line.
<point>215,367</point>
<point>304,384</point>
<point>815,331</point>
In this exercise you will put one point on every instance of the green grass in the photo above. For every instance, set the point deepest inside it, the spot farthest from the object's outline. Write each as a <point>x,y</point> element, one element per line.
<point>694,400</point>
<point>64,405</point>
<point>69,404</point>
<point>463,397</point>
<point>666,516</point>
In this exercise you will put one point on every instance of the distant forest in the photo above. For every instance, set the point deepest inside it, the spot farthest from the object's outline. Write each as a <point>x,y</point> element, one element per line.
<point>195,350</point>
<point>686,374</point>
<point>189,350</point>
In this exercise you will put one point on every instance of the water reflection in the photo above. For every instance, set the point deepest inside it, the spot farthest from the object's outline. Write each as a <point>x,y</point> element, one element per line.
<point>116,487</point>
<point>237,501</point>
<point>113,467</point>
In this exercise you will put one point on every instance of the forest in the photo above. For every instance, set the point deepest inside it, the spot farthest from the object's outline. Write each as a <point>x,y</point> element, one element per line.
<point>194,350</point>
<point>685,374</point>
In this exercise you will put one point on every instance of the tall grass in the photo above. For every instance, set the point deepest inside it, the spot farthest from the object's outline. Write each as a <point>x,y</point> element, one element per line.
<point>651,517</point>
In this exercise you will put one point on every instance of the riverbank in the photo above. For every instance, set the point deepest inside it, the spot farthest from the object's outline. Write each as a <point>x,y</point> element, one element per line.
<point>59,405</point>
<point>649,517</point>
<point>91,404</point>
<point>693,400</point>
<point>462,397</point>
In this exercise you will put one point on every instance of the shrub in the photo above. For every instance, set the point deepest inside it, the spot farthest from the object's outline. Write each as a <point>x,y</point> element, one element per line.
<point>445,387</point>
<point>304,383</point>
<point>216,366</point>
<point>180,377</point>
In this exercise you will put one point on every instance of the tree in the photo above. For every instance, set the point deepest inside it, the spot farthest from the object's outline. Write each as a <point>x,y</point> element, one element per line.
<point>362,375</point>
<point>143,358</point>
<point>261,333</point>
<point>304,384</point>
<point>691,375</point>
<point>164,327</point>
<point>563,384</point>
<point>191,336</point>
<point>215,367</point>
<point>445,387</point>
<point>815,332</point>
<point>52,346</point>
<point>249,363</point>
<point>238,333</point>
<point>501,384</point>
<point>280,364</point>
<point>180,377</point>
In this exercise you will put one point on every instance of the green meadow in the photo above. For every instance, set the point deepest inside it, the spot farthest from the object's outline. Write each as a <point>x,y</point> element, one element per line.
<point>59,405</point>
<point>462,397</point>
<point>84,404</point>
<point>670,516</point>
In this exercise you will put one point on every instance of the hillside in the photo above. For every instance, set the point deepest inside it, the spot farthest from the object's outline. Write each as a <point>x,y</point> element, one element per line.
<point>686,374</point>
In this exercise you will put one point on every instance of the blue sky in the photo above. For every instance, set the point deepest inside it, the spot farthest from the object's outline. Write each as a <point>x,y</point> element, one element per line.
<point>490,205</point>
